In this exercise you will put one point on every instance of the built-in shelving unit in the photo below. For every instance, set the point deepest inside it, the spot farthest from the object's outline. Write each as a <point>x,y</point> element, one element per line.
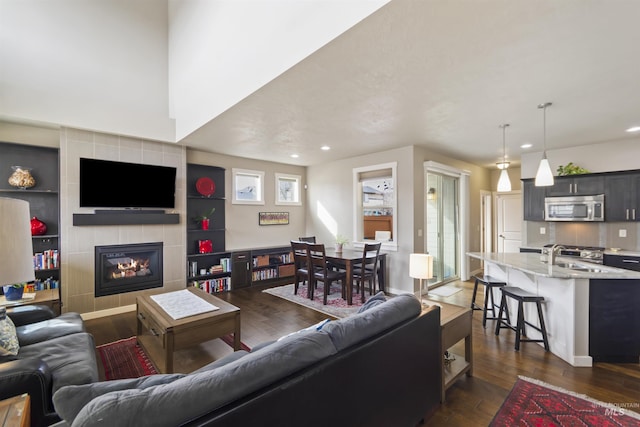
<point>44,203</point>
<point>209,269</point>
<point>270,264</point>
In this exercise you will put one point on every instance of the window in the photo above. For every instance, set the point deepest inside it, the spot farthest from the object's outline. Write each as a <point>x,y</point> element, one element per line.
<point>375,204</point>
<point>288,189</point>
<point>248,187</point>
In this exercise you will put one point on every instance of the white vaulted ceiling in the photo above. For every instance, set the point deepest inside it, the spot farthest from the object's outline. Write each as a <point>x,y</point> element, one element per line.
<point>443,74</point>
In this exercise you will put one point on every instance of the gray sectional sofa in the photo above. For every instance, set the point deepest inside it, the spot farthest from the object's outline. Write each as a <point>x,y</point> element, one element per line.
<point>380,367</point>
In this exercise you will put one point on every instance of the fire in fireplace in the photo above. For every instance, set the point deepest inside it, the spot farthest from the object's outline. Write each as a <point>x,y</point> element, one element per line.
<point>127,268</point>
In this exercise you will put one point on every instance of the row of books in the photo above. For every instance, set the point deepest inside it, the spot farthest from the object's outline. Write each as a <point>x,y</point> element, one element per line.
<point>49,283</point>
<point>212,286</point>
<point>46,260</point>
<point>268,273</point>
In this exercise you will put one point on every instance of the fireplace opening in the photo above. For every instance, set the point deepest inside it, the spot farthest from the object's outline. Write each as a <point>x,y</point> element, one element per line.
<point>127,268</point>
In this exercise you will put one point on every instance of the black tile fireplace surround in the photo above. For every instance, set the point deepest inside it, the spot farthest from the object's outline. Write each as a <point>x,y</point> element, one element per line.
<point>127,268</point>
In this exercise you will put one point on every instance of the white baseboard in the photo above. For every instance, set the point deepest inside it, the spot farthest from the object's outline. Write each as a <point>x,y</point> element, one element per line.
<point>108,312</point>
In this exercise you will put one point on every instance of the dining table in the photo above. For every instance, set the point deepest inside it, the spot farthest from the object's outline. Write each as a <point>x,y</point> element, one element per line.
<point>347,258</point>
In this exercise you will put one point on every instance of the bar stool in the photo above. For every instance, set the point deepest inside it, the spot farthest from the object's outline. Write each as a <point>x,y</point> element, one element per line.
<point>521,296</point>
<point>489,283</point>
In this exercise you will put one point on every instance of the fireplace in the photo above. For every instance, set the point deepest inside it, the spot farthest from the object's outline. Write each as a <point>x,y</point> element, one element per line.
<point>127,268</point>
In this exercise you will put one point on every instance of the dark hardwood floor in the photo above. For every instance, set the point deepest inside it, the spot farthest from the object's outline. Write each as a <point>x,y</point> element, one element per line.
<point>471,401</point>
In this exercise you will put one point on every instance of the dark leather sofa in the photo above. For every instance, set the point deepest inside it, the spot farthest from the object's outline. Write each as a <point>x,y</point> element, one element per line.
<point>382,367</point>
<point>54,352</point>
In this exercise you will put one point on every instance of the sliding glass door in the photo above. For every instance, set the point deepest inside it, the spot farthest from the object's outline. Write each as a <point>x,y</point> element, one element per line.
<point>442,226</point>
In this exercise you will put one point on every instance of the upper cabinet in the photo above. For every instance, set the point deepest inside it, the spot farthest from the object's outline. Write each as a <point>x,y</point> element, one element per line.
<point>533,201</point>
<point>579,185</point>
<point>621,200</point>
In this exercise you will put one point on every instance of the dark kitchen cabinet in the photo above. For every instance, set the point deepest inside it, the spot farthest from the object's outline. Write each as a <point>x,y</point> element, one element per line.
<point>614,321</point>
<point>577,186</point>
<point>621,261</point>
<point>533,201</point>
<point>621,200</point>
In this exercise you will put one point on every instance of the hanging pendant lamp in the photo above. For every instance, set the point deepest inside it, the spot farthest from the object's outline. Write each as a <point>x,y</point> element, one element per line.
<point>504,183</point>
<point>544,176</point>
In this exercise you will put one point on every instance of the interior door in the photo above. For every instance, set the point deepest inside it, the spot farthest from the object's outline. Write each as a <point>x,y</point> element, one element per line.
<point>509,222</point>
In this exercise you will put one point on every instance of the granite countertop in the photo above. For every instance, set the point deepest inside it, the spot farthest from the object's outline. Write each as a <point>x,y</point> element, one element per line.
<point>608,251</point>
<point>531,263</point>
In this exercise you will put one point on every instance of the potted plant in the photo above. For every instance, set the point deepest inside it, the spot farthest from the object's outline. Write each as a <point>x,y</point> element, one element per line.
<point>340,242</point>
<point>205,218</point>
<point>13,292</point>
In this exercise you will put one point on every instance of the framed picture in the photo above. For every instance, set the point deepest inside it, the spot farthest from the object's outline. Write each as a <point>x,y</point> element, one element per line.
<point>288,189</point>
<point>248,187</point>
<point>273,218</point>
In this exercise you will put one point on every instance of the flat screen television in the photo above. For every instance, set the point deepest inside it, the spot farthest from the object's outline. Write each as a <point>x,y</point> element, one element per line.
<point>110,184</point>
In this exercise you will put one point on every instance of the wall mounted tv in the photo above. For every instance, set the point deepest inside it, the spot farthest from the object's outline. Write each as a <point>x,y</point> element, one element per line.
<point>109,184</point>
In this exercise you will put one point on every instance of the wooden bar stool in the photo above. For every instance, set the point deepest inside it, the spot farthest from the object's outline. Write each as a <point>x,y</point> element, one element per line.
<point>489,283</point>
<point>521,296</point>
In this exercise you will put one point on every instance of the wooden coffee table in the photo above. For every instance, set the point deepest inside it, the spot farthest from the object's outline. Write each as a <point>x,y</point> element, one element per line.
<point>160,335</point>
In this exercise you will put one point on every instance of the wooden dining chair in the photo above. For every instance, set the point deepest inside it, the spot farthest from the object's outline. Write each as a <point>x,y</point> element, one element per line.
<point>322,271</point>
<point>301,261</point>
<point>367,269</point>
<point>309,239</point>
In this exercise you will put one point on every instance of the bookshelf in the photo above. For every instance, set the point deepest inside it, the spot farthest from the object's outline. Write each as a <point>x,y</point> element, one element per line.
<point>44,203</point>
<point>271,264</point>
<point>208,263</point>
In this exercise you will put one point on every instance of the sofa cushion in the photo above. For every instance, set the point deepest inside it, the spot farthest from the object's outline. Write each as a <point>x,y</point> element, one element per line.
<point>65,324</point>
<point>360,326</point>
<point>69,400</point>
<point>9,345</point>
<point>203,392</point>
<point>377,299</point>
<point>223,361</point>
<point>71,359</point>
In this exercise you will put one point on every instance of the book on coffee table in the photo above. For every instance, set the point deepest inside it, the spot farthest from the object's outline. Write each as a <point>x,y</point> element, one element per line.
<point>181,304</point>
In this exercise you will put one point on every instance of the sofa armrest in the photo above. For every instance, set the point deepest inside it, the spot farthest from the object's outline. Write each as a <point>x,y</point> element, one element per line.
<point>32,376</point>
<point>27,314</point>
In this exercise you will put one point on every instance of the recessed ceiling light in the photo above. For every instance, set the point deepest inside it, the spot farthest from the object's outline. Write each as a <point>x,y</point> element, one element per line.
<point>295,156</point>
<point>634,129</point>
<point>526,146</point>
<point>325,148</point>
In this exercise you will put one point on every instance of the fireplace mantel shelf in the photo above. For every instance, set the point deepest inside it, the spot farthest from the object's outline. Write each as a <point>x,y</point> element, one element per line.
<point>125,218</point>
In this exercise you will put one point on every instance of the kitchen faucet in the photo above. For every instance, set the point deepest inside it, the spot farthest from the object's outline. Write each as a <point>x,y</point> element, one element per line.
<point>555,249</point>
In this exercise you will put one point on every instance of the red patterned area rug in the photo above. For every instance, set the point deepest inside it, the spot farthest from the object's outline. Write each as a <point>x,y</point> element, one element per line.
<point>535,403</point>
<point>126,359</point>
<point>336,306</point>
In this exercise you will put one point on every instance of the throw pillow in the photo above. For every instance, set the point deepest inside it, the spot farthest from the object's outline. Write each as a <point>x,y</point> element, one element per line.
<point>377,299</point>
<point>9,345</point>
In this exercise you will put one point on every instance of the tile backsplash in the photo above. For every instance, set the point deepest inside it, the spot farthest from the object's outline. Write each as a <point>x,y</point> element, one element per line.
<point>622,235</point>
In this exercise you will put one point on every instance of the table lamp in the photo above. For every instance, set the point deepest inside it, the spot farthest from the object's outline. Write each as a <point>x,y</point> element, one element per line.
<point>16,248</point>
<point>420,267</point>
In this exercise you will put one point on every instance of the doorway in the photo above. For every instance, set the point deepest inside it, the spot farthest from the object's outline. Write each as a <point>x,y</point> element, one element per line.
<point>509,222</point>
<point>442,226</point>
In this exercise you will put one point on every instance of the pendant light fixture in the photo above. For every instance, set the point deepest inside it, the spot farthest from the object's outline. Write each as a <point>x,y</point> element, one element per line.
<point>544,177</point>
<point>504,183</point>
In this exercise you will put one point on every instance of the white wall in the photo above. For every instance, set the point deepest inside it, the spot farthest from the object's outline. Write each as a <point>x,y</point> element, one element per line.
<point>222,51</point>
<point>604,157</point>
<point>99,64</point>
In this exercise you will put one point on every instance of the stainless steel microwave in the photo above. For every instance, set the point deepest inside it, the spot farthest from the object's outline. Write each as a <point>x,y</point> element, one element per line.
<point>574,208</point>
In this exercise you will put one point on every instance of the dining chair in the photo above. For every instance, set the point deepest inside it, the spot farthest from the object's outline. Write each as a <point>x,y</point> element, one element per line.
<point>322,271</point>
<point>301,261</point>
<point>309,239</point>
<point>367,269</point>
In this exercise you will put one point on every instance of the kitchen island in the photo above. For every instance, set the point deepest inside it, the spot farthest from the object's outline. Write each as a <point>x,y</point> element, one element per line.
<point>568,308</point>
